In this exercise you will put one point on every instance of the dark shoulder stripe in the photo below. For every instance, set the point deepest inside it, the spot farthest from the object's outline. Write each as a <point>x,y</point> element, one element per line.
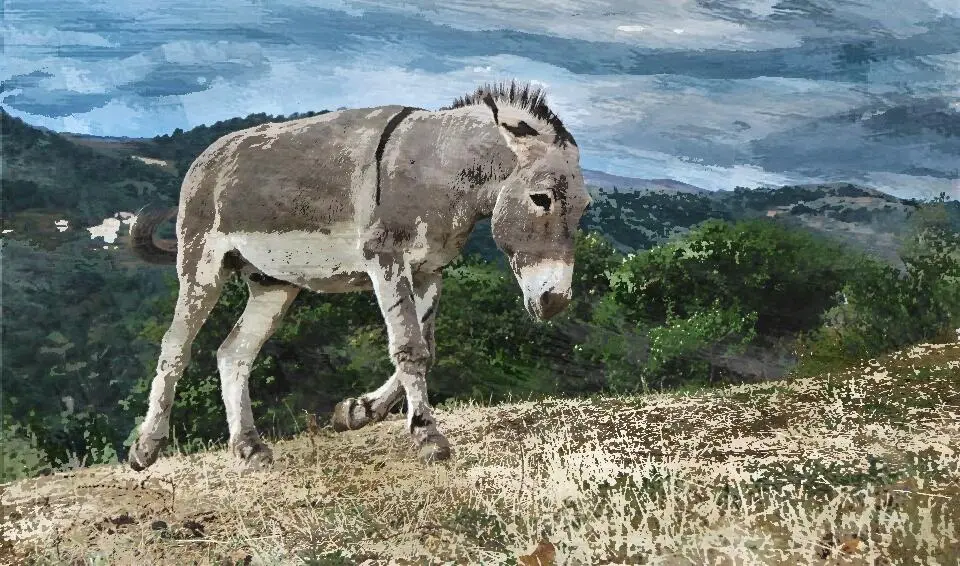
<point>385,137</point>
<point>489,101</point>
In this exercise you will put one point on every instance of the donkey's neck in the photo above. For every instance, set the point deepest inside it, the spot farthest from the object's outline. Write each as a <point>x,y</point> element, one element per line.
<point>489,161</point>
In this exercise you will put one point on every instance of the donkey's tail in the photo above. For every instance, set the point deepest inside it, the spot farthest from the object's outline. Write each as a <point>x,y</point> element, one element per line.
<point>141,237</point>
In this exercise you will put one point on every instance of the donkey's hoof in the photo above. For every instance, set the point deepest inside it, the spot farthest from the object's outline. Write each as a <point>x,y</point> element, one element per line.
<point>351,414</point>
<point>434,450</point>
<point>144,452</point>
<point>254,455</point>
<point>260,460</point>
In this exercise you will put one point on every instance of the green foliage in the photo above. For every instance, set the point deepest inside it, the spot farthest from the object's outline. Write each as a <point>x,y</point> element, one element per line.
<point>70,350</point>
<point>605,349</point>
<point>642,219</point>
<point>700,302</point>
<point>662,318</point>
<point>887,308</point>
<point>20,457</point>
<point>487,346</point>
<point>680,350</point>
<point>333,346</point>
<point>43,170</point>
<point>760,199</point>
<point>82,326</point>
<point>182,148</point>
<point>606,353</point>
<point>920,303</point>
<point>785,276</point>
<point>595,257</point>
<point>280,376</point>
<point>72,313</point>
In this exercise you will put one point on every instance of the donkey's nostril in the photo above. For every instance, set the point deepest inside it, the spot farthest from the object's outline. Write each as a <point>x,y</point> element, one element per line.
<point>552,303</point>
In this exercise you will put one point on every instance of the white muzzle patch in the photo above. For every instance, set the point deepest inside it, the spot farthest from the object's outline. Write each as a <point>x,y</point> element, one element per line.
<point>549,276</point>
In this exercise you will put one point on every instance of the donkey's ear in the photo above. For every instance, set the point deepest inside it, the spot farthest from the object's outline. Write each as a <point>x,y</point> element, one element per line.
<point>521,129</point>
<point>517,134</point>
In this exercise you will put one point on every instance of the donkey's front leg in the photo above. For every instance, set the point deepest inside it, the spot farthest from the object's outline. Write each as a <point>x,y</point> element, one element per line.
<point>409,351</point>
<point>354,413</point>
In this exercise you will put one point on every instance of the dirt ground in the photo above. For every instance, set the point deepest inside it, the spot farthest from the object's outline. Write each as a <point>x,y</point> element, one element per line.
<point>861,468</point>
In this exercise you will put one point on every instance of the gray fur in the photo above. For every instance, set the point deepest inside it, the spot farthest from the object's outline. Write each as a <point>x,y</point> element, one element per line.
<point>375,198</point>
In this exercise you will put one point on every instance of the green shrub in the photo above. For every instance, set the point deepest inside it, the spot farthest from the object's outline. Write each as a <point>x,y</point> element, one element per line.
<point>787,276</point>
<point>886,308</point>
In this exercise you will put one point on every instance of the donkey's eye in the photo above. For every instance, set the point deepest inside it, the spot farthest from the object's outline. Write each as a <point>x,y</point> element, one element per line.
<point>541,200</point>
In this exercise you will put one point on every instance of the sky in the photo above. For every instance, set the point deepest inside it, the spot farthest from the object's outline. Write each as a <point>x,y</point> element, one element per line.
<point>715,93</point>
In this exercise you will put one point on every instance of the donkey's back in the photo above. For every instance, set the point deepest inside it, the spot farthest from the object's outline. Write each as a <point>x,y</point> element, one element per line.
<point>289,199</point>
<point>302,175</point>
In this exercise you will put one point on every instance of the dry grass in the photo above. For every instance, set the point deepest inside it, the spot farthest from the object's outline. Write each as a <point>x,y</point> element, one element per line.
<point>859,468</point>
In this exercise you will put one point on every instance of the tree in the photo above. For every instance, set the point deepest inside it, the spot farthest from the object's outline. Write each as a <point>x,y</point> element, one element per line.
<point>887,307</point>
<point>891,308</point>
<point>787,276</point>
<point>683,350</point>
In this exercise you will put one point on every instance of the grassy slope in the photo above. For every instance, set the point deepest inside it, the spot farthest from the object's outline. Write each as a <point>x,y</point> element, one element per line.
<point>779,473</point>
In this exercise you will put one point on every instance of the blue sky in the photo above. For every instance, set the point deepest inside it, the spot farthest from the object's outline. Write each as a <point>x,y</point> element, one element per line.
<point>716,93</point>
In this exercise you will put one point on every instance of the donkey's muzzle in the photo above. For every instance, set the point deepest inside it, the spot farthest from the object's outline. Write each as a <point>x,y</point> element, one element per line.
<point>552,304</point>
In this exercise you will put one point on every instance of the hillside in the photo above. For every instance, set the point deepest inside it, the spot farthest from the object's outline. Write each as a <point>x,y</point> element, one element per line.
<point>643,214</point>
<point>47,175</point>
<point>730,302</point>
<point>856,468</point>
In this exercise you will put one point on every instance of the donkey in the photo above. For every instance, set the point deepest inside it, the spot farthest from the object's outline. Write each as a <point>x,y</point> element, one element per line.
<point>362,199</point>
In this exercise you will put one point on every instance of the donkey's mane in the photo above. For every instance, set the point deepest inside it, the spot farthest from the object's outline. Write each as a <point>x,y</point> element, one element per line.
<point>533,99</point>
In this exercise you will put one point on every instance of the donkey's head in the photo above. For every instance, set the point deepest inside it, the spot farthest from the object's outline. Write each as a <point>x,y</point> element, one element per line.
<point>539,205</point>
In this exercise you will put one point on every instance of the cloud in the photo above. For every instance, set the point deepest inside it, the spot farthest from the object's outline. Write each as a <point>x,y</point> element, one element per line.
<point>631,162</point>
<point>114,118</point>
<point>913,186</point>
<point>714,92</point>
<point>45,36</point>
<point>918,136</point>
<point>594,21</point>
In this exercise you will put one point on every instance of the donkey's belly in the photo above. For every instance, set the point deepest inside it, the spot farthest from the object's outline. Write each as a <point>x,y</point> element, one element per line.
<point>343,283</point>
<point>325,262</point>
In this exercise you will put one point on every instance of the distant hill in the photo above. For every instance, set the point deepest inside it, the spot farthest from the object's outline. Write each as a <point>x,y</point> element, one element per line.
<point>640,213</point>
<point>46,175</point>
<point>868,219</point>
<point>81,318</point>
<point>49,177</point>
<point>607,181</point>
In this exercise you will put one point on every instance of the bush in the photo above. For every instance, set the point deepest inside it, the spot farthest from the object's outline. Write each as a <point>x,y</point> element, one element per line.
<point>886,308</point>
<point>702,300</point>
<point>332,346</point>
<point>786,276</point>
<point>683,349</point>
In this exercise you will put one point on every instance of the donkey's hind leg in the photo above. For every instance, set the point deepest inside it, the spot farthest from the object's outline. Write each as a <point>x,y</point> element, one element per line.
<point>265,308</point>
<point>351,414</point>
<point>201,280</point>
